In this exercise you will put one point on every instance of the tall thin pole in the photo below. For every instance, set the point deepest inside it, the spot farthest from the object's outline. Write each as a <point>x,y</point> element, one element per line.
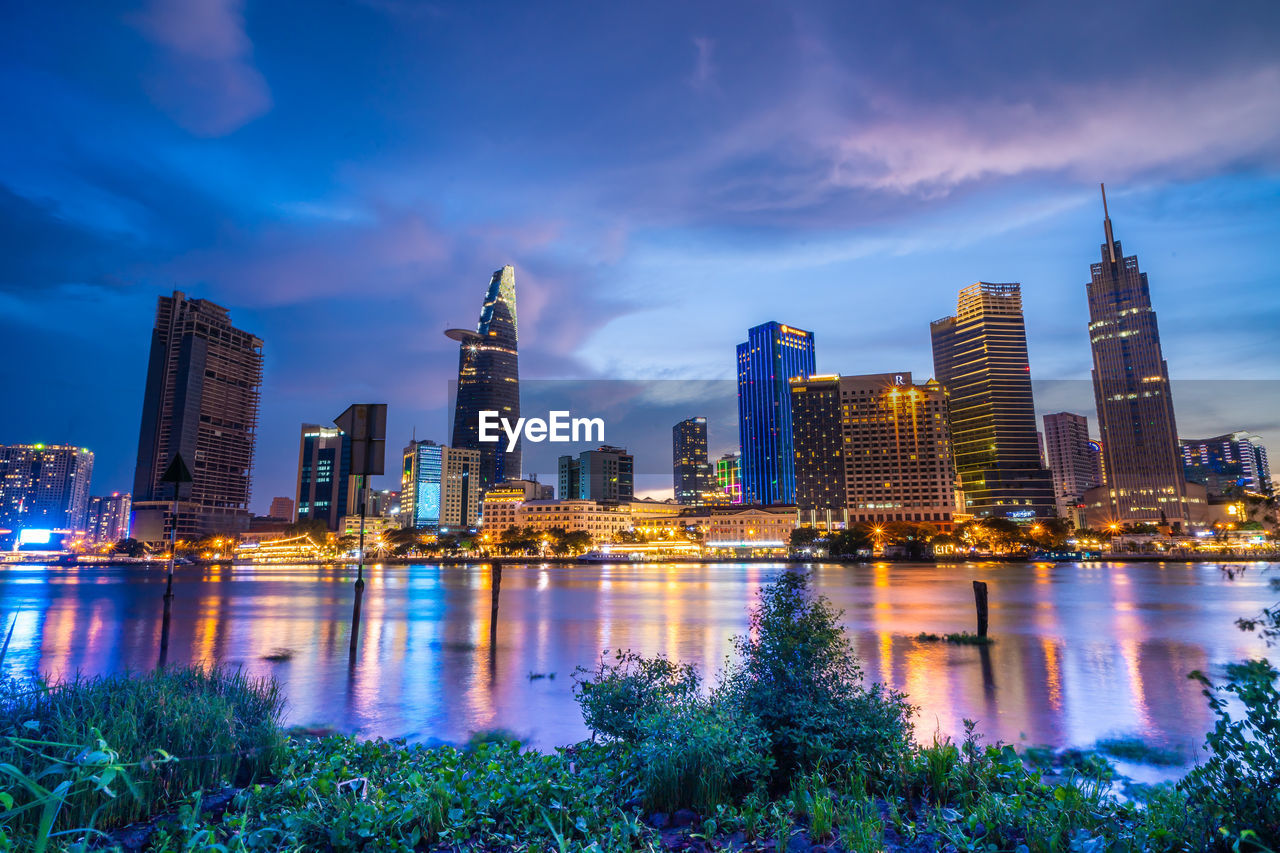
<point>355,613</point>
<point>168,588</point>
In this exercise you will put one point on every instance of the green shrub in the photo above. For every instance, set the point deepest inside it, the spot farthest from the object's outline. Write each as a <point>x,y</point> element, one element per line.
<point>701,755</point>
<point>619,694</point>
<point>1139,751</point>
<point>339,793</point>
<point>797,675</point>
<point>101,752</point>
<point>1237,790</point>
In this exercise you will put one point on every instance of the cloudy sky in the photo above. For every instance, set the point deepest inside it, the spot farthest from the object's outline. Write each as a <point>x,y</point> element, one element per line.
<point>346,176</point>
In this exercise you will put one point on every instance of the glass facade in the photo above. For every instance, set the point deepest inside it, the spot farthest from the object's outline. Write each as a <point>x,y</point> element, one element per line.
<point>489,379</point>
<point>691,474</point>
<point>980,356</point>
<point>324,478</point>
<point>772,355</point>
<point>1142,458</point>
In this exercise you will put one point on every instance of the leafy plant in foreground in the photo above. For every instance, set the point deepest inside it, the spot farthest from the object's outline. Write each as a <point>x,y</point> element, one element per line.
<point>1237,790</point>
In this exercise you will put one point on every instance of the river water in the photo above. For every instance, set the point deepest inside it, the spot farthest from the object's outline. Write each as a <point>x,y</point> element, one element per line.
<point>1081,652</point>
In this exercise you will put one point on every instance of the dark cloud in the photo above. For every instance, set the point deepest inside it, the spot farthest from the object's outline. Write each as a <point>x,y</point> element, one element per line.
<point>40,247</point>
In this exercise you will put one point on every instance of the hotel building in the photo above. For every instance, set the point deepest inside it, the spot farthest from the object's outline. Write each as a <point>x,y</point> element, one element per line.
<point>872,449</point>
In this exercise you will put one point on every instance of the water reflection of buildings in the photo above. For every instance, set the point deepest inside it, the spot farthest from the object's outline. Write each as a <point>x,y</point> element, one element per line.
<point>1080,653</point>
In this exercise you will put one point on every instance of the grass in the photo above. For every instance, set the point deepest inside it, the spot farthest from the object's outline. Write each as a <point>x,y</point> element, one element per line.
<point>964,638</point>
<point>102,752</point>
<point>1140,752</point>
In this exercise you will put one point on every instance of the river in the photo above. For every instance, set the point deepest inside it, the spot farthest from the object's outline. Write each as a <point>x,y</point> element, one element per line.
<point>1081,651</point>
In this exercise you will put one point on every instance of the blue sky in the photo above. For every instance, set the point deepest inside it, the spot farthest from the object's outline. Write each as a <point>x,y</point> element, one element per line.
<point>346,176</point>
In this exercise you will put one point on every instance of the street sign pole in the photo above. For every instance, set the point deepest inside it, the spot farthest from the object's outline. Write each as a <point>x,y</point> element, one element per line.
<point>177,474</point>
<point>365,424</point>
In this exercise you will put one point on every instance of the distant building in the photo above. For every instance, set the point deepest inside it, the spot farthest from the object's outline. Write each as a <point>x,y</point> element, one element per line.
<point>691,475</point>
<point>1145,481</point>
<point>1227,464</point>
<point>645,508</point>
<point>489,380</point>
<point>768,360</point>
<point>872,449</point>
<point>980,356</point>
<point>440,487</point>
<point>282,508</point>
<point>264,524</point>
<point>375,527</point>
<point>326,489</point>
<point>385,503</point>
<point>109,518</point>
<point>604,474</point>
<point>603,520</point>
<point>750,529</point>
<point>729,476</point>
<point>204,380</point>
<point>1073,460</point>
<point>44,487</point>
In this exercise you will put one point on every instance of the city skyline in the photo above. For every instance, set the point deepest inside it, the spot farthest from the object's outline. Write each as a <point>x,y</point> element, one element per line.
<point>775,185</point>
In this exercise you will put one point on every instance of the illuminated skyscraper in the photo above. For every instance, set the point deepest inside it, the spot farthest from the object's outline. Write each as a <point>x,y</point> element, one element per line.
<point>1143,462</point>
<point>772,355</point>
<point>109,517</point>
<point>325,487</point>
<point>872,449</point>
<point>489,379</point>
<point>691,471</point>
<point>44,486</point>
<point>980,355</point>
<point>439,489</point>
<point>204,379</point>
<point>1227,465</point>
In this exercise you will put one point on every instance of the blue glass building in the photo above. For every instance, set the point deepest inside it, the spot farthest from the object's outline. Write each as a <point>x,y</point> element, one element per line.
<point>772,355</point>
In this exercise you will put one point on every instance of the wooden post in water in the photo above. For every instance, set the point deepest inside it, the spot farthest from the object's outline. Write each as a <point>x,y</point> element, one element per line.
<point>493,620</point>
<point>980,601</point>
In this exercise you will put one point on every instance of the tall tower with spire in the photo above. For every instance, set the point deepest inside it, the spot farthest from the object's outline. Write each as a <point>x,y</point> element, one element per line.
<point>1144,475</point>
<point>489,379</point>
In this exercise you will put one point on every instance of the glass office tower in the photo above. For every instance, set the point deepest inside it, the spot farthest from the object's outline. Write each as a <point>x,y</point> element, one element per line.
<point>489,379</point>
<point>768,360</point>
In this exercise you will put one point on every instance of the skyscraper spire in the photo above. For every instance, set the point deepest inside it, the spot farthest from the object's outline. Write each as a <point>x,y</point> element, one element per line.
<point>489,378</point>
<point>1106,223</point>
<point>1145,481</point>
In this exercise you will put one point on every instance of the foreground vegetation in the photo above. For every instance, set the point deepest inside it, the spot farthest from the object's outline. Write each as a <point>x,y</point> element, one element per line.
<point>789,750</point>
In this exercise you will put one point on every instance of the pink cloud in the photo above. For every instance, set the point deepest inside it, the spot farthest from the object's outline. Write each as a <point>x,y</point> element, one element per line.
<point>206,80</point>
<point>703,78</point>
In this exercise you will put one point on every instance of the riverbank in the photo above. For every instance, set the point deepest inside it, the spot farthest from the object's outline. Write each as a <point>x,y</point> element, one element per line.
<point>790,750</point>
<point>1197,557</point>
